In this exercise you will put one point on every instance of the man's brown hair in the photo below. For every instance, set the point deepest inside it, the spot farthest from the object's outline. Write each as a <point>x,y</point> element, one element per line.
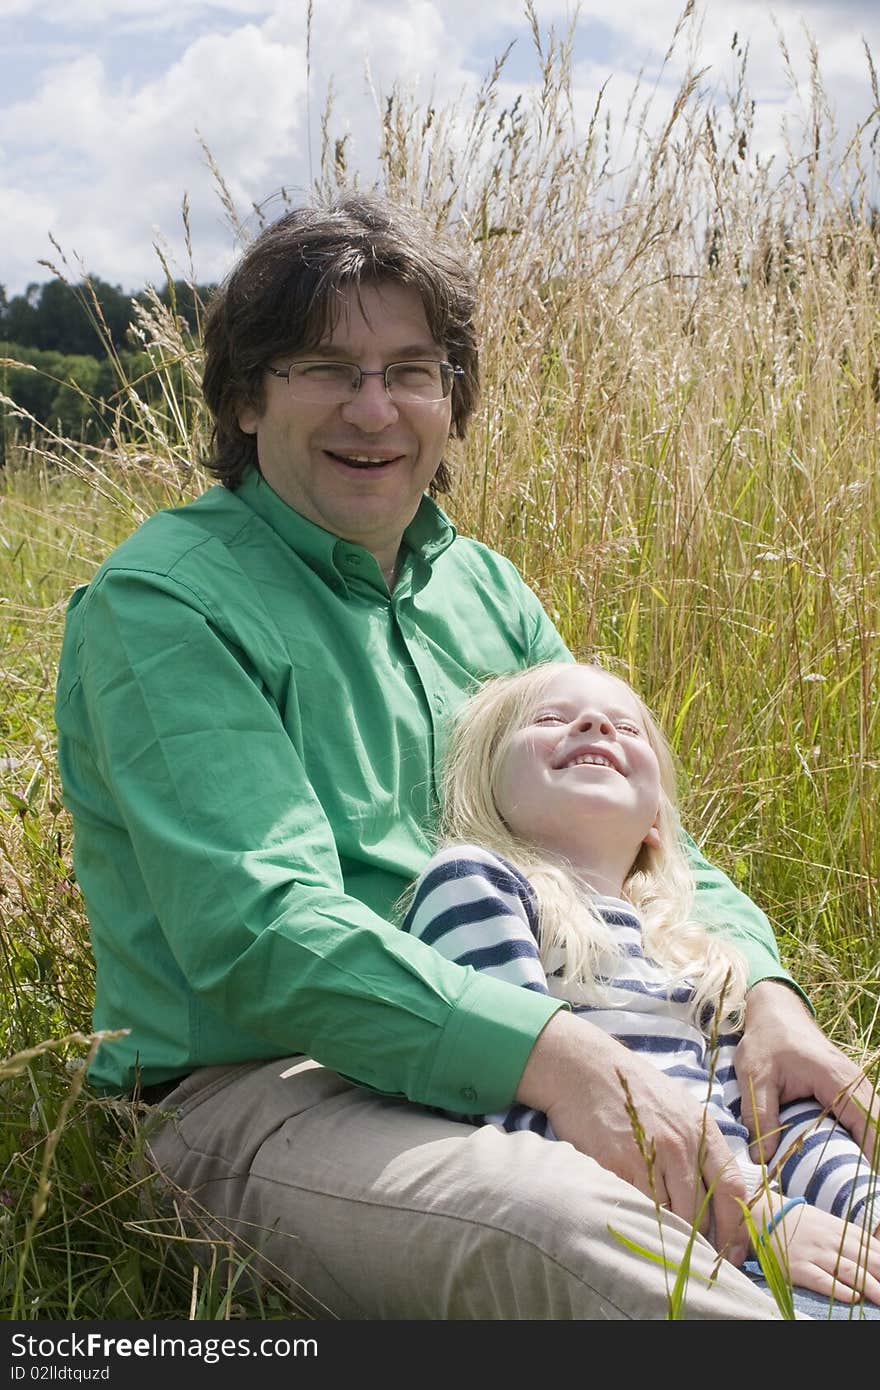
<point>283,295</point>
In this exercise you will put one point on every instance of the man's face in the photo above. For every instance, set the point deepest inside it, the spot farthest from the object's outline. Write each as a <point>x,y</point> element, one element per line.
<point>357,469</point>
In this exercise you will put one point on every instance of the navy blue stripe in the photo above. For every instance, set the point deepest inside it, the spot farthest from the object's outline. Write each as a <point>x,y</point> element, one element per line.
<point>523,1117</point>
<point>729,1127</point>
<point>847,1204</point>
<point>822,1172</point>
<point>465,915</point>
<point>682,994</point>
<point>799,1111</point>
<point>499,872</point>
<point>503,876</point>
<point>661,1045</point>
<point>499,953</point>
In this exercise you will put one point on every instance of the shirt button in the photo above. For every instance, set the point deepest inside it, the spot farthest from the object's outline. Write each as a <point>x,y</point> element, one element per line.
<point>468,1093</point>
<point>439,702</point>
<point>354,559</point>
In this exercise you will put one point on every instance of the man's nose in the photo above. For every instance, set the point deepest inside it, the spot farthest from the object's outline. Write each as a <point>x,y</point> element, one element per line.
<point>372,408</point>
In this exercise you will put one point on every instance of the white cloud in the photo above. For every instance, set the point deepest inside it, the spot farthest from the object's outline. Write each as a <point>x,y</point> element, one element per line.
<point>120,157</point>
<point>25,219</point>
<point>103,148</point>
<point>412,44</point>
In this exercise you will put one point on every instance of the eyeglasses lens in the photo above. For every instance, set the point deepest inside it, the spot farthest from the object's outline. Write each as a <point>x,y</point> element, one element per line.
<point>338,382</point>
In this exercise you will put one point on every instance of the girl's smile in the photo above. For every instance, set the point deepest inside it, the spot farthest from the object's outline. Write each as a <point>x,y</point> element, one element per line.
<point>579,776</point>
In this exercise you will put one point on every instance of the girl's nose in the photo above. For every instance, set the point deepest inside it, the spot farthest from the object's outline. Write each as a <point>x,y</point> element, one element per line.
<point>590,721</point>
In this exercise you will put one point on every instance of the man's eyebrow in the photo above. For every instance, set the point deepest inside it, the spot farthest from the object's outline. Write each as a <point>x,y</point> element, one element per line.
<point>400,354</point>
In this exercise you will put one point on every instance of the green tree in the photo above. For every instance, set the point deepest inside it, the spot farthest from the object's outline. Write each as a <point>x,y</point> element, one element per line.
<point>74,319</point>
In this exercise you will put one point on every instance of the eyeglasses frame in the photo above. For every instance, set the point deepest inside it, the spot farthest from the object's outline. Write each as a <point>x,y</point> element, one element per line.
<point>448,372</point>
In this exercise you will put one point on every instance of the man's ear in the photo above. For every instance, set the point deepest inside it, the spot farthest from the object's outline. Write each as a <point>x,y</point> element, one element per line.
<point>652,839</point>
<point>248,419</point>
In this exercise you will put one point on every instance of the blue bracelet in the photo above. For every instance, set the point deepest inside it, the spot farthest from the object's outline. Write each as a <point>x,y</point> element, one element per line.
<point>779,1215</point>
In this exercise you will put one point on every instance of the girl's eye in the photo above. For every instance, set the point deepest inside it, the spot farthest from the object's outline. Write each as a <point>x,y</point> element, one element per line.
<point>549,719</point>
<point>624,727</point>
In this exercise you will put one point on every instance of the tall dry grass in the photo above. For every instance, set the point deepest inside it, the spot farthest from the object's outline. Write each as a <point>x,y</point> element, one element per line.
<point>677,444</point>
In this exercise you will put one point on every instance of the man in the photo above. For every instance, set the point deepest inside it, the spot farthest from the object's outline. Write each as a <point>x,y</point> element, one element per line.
<point>252,701</point>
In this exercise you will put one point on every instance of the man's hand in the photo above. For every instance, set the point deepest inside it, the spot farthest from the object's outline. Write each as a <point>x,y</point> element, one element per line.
<point>785,1056</point>
<point>576,1075</point>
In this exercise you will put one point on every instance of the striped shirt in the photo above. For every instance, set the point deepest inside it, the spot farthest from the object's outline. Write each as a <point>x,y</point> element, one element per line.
<point>478,909</point>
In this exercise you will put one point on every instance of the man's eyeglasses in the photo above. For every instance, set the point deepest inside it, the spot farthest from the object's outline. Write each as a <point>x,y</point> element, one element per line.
<point>334,383</point>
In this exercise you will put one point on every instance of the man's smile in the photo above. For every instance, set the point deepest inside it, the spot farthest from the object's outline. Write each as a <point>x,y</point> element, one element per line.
<point>357,468</point>
<point>362,460</point>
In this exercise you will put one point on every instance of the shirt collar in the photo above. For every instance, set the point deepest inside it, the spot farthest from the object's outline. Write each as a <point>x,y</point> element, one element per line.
<point>429,533</point>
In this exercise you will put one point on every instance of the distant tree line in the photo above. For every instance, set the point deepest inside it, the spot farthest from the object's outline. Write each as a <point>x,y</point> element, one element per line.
<point>58,317</point>
<point>77,352</point>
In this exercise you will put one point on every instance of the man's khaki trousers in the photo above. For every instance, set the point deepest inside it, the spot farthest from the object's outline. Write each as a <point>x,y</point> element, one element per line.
<point>366,1207</point>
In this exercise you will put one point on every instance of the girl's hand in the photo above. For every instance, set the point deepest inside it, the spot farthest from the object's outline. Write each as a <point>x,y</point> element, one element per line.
<point>821,1252</point>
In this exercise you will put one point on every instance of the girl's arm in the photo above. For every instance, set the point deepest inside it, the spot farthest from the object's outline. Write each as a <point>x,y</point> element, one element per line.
<point>476,909</point>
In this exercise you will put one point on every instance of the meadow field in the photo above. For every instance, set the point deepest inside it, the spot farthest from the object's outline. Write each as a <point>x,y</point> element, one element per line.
<point>677,443</point>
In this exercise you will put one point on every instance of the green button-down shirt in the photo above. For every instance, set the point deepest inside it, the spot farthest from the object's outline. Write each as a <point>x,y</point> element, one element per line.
<point>249,732</point>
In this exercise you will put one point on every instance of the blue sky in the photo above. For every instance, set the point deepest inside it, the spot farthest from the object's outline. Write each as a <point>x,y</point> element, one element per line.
<point>103,101</point>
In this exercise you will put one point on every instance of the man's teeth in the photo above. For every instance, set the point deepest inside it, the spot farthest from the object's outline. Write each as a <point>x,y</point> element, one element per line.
<point>361,460</point>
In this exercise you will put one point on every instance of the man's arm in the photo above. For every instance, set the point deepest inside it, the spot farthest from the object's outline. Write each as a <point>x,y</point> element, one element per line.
<point>221,923</point>
<point>600,1096</point>
<point>723,908</point>
<point>784,1054</point>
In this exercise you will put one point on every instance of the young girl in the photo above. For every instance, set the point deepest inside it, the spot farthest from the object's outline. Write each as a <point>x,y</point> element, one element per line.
<point>562,871</point>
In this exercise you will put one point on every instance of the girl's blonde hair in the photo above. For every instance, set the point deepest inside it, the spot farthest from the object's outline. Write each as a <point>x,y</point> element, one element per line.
<point>659,884</point>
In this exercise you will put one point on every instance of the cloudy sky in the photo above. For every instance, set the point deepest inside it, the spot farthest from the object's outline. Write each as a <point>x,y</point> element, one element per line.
<point>106,105</point>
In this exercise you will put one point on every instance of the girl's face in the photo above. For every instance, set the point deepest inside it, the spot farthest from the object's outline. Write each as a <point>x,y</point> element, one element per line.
<point>581,762</point>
